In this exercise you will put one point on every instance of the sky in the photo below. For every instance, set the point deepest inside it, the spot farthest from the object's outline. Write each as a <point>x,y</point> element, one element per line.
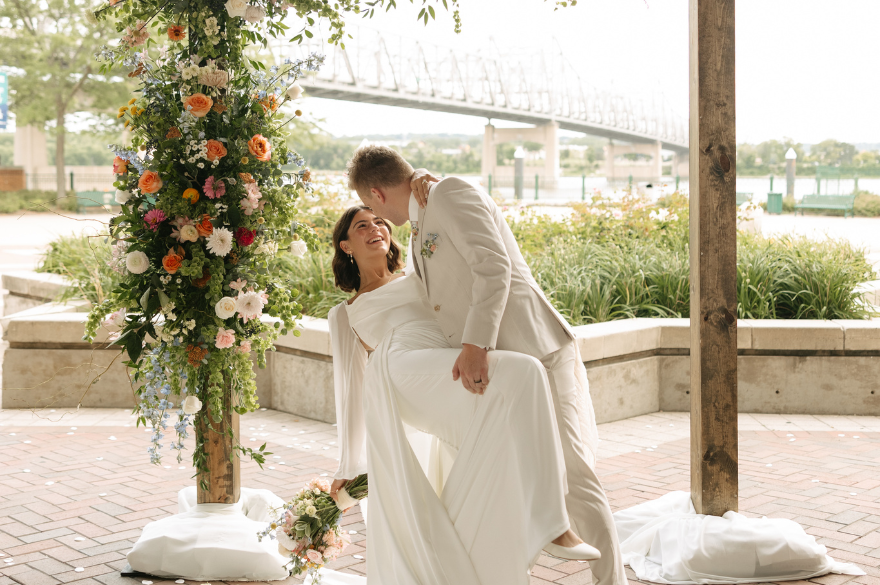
<point>806,69</point>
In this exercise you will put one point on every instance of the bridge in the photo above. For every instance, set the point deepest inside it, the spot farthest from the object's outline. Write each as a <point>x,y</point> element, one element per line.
<point>540,88</point>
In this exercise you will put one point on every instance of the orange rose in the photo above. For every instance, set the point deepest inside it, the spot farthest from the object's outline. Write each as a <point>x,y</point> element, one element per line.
<point>198,104</point>
<point>172,261</point>
<point>260,147</point>
<point>216,150</point>
<point>204,227</point>
<point>150,182</point>
<point>191,194</point>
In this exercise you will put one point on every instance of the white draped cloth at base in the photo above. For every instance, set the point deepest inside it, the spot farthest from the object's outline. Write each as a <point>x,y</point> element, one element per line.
<point>205,542</point>
<point>666,541</point>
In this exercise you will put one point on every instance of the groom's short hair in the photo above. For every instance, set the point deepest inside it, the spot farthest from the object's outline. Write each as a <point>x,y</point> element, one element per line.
<point>376,166</point>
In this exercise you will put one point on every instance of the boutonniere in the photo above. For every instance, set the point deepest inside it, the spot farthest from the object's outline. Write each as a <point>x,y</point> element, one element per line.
<point>429,246</point>
<point>414,231</point>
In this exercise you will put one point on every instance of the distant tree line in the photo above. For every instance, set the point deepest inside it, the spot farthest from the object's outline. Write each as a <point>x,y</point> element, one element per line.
<point>769,158</point>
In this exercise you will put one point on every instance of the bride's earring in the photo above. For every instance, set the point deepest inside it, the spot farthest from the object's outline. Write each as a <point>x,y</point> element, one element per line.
<point>350,258</point>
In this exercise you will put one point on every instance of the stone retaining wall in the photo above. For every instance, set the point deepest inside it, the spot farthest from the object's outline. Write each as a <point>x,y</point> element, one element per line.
<point>635,366</point>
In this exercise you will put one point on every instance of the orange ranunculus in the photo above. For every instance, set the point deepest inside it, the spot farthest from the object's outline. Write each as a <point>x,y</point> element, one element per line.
<point>259,147</point>
<point>173,259</point>
<point>120,166</point>
<point>198,104</point>
<point>191,194</point>
<point>150,182</point>
<point>204,227</point>
<point>216,150</point>
<point>176,33</point>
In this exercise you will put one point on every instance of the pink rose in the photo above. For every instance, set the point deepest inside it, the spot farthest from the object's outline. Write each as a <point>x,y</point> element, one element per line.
<point>225,338</point>
<point>245,346</point>
<point>315,556</point>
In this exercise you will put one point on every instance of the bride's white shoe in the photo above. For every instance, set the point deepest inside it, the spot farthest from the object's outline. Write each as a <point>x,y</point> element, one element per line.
<point>581,552</point>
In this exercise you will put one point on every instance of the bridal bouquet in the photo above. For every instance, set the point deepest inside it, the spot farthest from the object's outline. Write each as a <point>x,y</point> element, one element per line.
<point>307,527</point>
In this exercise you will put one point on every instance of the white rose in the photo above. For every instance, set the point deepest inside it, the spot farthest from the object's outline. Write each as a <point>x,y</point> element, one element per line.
<point>236,7</point>
<point>191,405</point>
<point>295,91</point>
<point>122,197</point>
<point>137,262</point>
<point>254,14</point>
<point>189,233</point>
<point>312,511</point>
<point>299,248</point>
<point>225,307</point>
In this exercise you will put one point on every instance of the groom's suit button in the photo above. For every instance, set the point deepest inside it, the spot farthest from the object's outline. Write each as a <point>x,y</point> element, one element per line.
<point>436,307</point>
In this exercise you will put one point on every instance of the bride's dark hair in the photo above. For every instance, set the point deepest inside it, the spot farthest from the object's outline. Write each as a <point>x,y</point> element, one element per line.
<point>345,271</point>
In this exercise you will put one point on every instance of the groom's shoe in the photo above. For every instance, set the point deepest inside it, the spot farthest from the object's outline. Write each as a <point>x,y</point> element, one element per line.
<point>581,552</point>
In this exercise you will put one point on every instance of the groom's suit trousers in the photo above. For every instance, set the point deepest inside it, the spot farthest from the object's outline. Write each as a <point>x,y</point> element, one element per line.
<point>587,505</point>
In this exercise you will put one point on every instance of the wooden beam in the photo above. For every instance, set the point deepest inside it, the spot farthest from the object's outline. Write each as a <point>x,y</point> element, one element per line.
<point>224,465</point>
<point>714,458</point>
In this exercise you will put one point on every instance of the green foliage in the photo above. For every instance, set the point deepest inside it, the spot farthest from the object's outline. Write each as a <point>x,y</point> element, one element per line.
<point>14,201</point>
<point>595,267</point>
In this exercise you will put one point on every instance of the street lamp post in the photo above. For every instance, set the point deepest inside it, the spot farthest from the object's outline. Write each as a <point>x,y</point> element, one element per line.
<point>518,172</point>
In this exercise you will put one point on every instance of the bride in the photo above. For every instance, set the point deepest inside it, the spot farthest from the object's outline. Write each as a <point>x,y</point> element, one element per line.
<point>492,496</point>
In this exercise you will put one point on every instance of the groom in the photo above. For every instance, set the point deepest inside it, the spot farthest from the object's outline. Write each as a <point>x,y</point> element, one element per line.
<point>485,298</point>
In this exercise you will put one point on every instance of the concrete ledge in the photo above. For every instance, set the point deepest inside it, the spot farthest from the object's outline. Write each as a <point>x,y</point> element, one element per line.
<point>635,366</point>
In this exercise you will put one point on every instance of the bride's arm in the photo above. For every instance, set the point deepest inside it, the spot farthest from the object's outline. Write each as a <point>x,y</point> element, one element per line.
<point>349,364</point>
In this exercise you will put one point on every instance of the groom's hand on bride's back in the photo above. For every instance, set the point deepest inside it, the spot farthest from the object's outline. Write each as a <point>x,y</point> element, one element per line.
<point>419,183</point>
<point>472,366</point>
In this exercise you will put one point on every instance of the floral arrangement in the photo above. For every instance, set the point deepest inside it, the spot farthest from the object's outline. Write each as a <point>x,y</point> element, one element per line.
<point>205,205</point>
<point>307,527</point>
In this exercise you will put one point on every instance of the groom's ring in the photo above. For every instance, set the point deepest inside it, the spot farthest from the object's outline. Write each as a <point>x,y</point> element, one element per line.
<point>480,381</point>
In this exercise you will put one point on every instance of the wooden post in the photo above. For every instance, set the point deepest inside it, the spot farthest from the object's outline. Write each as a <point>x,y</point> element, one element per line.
<point>224,465</point>
<point>714,459</point>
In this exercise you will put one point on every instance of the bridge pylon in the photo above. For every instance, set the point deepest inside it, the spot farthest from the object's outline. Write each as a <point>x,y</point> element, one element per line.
<point>502,175</point>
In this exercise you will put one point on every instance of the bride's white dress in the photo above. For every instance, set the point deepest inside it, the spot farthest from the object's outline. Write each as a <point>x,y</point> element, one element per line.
<point>495,496</point>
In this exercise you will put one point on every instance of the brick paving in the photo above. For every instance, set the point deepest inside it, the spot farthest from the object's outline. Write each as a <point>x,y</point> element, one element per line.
<point>76,488</point>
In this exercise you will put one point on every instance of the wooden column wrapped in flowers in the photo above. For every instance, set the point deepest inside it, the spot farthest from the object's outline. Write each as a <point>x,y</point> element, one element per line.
<point>205,208</point>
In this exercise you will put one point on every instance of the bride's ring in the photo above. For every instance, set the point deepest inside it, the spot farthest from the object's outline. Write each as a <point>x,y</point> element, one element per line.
<point>424,181</point>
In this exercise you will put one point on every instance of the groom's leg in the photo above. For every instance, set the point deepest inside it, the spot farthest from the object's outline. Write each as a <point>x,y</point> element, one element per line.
<point>587,504</point>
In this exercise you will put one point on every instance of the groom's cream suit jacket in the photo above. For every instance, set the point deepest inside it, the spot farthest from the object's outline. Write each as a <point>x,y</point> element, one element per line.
<point>477,281</point>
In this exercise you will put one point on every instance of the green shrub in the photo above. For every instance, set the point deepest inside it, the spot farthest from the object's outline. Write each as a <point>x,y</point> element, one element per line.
<point>13,201</point>
<point>86,262</point>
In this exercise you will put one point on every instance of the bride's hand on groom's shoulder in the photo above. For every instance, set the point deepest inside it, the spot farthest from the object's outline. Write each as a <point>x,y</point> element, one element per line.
<point>419,183</point>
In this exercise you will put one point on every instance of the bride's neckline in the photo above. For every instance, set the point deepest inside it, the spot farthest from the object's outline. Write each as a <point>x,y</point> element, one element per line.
<point>361,295</point>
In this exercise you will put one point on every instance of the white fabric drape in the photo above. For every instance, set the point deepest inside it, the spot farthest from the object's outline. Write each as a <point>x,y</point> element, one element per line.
<point>666,541</point>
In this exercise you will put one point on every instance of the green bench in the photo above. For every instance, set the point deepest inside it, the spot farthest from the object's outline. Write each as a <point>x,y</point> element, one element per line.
<point>845,203</point>
<point>87,199</point>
